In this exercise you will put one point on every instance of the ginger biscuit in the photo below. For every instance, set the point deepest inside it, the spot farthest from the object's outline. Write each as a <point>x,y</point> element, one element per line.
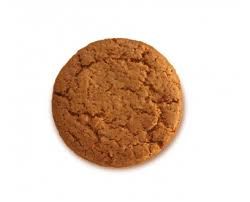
<point>117,102</point>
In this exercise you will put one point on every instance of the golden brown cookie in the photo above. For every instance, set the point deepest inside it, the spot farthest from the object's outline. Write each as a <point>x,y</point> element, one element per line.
<point>117,102</point>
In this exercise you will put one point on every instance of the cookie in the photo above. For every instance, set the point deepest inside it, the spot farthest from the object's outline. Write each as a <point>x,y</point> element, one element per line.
<point>117,102</point>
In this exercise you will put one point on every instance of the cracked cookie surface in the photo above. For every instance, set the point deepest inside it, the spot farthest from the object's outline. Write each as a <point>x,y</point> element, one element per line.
<point>117,102</point>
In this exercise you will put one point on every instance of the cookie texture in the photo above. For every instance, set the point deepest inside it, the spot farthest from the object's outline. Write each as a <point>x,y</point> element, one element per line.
<point>117,102</point>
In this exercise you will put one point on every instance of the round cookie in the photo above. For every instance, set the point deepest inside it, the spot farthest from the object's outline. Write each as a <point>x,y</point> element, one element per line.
<point>117,102</point>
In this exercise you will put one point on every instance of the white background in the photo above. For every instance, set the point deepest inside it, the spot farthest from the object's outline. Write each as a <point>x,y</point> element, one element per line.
<point>208,42</point>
